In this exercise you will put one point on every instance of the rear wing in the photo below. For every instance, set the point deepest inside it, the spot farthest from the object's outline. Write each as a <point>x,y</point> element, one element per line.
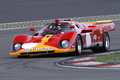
<point>104,27</point>
<point>98,22</point>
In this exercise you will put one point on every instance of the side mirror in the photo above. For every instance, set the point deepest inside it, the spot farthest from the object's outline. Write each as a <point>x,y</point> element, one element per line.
<point>72,26</point>
<point>56,21</point>
<point>32,29</point>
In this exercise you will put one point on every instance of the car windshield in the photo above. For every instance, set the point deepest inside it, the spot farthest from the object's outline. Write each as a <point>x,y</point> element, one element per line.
<point>54,28</point>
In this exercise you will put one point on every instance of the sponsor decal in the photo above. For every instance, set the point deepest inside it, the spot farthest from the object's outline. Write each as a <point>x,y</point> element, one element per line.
<point>45,48</point>
<point>101,31</point>
<point>29,45</point>
<point>99,36</point>
<point>94,37</point>
<point>112,27</point>
<point>33,49</point>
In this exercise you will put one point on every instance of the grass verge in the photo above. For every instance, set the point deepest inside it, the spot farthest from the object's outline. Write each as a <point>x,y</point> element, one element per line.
<point>109,58</point>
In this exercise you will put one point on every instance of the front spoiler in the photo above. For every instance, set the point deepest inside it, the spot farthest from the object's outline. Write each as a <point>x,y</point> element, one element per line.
<point>38,52</point>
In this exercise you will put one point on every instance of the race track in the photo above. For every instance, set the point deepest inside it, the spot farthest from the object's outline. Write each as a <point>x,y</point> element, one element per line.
<point>42,67</point>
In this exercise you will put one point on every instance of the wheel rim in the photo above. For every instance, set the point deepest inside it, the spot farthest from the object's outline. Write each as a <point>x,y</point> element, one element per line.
<point>107,42</point>
<point>79,46</point>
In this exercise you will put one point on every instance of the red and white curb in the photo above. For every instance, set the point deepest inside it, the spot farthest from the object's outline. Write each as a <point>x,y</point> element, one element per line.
<point>87,62</point>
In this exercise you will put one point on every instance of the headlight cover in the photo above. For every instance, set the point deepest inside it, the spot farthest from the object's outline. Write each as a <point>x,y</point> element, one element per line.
<point>64,43</point>
<point>16,46</point>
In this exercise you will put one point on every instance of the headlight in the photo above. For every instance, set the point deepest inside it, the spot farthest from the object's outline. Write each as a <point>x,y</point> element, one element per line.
<point>64,43</point>
<point>17,46</point>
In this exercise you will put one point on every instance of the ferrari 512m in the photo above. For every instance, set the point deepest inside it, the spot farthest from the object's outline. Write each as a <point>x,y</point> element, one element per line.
<point>64,36</point>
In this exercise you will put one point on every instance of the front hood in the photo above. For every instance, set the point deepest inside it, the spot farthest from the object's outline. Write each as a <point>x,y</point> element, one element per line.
<point>48,40</point>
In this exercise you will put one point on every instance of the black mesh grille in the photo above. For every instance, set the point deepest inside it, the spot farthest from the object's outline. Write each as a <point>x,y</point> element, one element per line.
<point>23,53</point>
<point>37,52</point>
<point>51,51</point>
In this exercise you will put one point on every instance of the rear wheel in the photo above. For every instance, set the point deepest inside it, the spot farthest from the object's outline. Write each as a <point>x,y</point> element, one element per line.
<point>106,44</point>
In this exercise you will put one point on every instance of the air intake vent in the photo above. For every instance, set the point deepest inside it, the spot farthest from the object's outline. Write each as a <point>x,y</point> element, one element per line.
<point>23,53</point>
<point>86,31</point>
<point>51,51</point>
<point>37,52</point>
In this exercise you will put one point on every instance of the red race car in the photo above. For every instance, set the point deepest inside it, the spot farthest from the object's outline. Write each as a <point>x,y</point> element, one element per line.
<point>64,36</point>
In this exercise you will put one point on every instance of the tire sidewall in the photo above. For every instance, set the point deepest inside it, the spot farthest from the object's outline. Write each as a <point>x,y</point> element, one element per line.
<point>104,41</point>
<point>77,51</point>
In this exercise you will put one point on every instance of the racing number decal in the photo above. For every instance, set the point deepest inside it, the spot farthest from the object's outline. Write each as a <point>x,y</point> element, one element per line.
<point>88,40</point>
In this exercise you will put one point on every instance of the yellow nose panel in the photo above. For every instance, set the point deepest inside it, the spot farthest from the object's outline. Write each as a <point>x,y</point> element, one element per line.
<point>46,38</point>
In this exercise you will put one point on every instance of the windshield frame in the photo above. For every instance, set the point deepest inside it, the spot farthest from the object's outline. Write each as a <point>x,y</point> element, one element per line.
<point>64,27</point>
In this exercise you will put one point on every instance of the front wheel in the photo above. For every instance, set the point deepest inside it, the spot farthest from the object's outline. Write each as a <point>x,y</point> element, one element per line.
<point>78,47</point>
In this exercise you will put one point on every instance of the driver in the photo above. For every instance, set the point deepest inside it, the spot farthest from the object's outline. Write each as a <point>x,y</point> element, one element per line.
<point>55,29</point>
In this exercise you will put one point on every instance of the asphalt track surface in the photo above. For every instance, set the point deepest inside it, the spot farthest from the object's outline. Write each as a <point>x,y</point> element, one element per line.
<point>43,67</point>
<point>28,10</point>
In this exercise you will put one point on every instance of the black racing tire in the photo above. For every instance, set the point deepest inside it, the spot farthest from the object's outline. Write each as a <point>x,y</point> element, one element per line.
<point>106,44</point>
<point>78,47</point>
<point>24,56</point>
